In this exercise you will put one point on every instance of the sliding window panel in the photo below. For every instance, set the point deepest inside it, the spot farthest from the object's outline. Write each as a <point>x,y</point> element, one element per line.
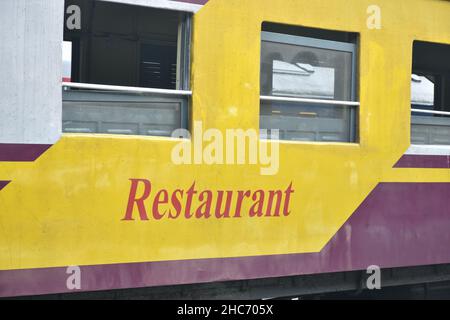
<point>430,130</point>
<point>123,113</point>
<point>308,122</point>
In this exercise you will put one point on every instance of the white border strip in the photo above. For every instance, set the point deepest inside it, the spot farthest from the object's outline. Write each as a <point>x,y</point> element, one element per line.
<point>307,100</point>
<point>101,87</point>
<point>161,4</point>
<point>444,113</point>
<point>428,150</point>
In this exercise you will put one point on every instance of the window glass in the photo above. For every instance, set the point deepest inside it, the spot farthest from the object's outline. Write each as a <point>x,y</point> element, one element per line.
<point>294,70</point>
<point>158,67</point>
<point>129,70</point>
<point>430,94</point>
<point>307,122</point>
<point>126,114</point>
<point>422,93</point>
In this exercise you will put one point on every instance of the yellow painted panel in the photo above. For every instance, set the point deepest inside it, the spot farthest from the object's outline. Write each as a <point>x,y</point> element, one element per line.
<point>67,207</point>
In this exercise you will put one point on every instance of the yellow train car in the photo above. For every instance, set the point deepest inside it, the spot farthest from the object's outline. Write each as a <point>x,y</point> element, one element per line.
<point>206,141</point>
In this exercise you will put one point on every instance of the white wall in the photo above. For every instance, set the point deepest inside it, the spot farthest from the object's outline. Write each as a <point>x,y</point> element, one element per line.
<point>31,34</point>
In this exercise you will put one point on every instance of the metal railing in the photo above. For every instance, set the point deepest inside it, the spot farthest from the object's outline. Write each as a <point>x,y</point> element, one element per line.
<point>101,87</point>
<point>308,100</point>
<point>443,113</point>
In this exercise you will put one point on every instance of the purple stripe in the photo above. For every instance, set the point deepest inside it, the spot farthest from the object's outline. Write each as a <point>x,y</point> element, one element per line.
<point>423,161</point>
<point>3,184</point>
<point>22,152</point>
<point>398,225</point>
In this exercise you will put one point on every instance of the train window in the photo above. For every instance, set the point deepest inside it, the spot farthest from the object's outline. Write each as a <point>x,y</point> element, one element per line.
<point>308,84</point>
<point>129,70</point>
<point>430,94</point>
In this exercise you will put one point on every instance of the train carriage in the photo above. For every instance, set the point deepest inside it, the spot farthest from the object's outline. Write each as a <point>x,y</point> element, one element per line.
<point>193,141</point>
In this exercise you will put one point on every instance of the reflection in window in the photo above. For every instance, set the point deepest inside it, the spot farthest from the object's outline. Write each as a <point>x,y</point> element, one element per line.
<point>422,93</point>
<point>302,80</point>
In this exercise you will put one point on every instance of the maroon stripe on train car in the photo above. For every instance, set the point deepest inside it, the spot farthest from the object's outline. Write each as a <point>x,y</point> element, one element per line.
<point>423,161</point>
<point>22,152</point>
<point>398,225</point>
<point>3,184</point>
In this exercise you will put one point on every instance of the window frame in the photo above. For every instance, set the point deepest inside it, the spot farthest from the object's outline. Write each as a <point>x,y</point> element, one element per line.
<point>182,92</point>
<point>274,37</point>
<point>440,115</point>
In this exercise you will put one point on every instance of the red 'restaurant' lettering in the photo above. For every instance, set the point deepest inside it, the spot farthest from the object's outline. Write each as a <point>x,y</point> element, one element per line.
<point>205,204</point>
<point>138,201</point>
<point>158,201</point>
